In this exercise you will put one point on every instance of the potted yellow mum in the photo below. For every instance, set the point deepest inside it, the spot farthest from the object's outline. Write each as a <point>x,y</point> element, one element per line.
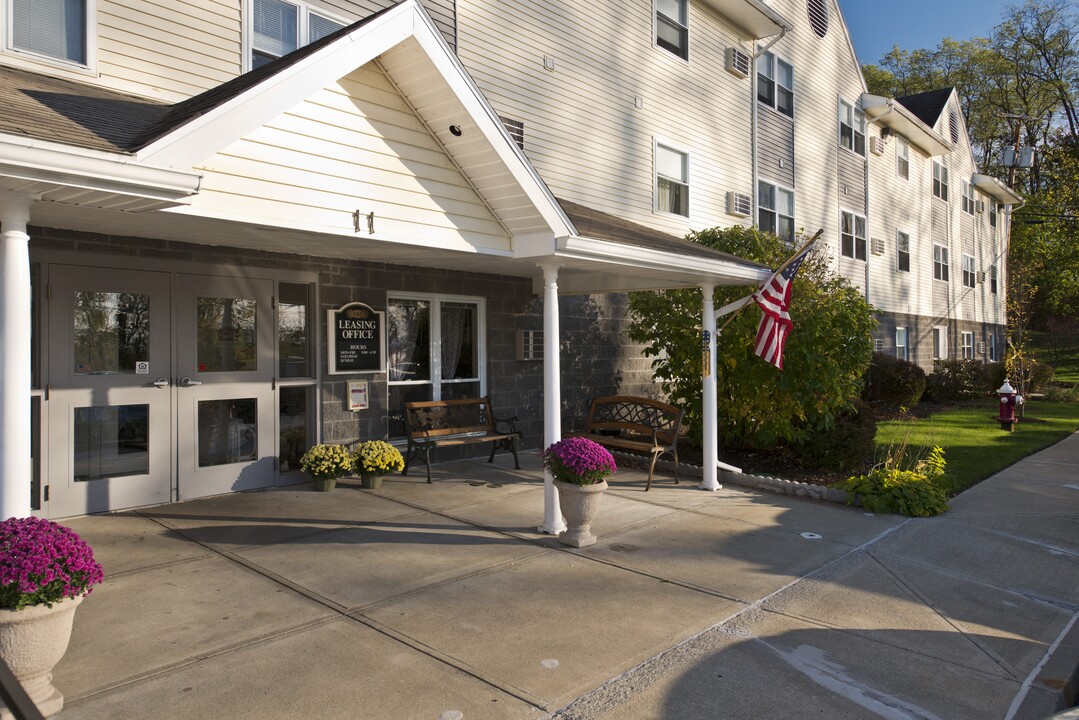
<point>374,459</point>
<point>325,463</point>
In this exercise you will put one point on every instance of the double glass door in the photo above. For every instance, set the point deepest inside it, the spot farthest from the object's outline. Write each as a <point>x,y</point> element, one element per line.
<point>160,387</point>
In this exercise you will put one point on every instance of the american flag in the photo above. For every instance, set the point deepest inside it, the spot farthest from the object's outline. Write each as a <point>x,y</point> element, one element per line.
<point>774,299</point>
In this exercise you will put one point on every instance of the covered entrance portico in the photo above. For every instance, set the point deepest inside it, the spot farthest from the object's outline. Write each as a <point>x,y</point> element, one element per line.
<point>157,379</point>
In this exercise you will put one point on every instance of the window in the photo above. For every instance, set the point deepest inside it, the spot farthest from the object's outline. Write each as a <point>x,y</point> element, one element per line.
<point>968,345</point>
<point>56,29</point>
<point>775,210</point>
<point>278,28</point>
<point>940,263</point>
<point>775,83</point>
<point>992,215</point>
<point>901,350</point>
<point>902,157</point>
<point>940,181</point>
<point>672,181</point>
<point>852,235</point>
<point>902,252</point>
<point>672,26</point>
<point>940,343</point>
<point>993,278</point>
<point>991,344</point>
<point>968,271</point>
<point>435,350</point>
<point>851,128</point>
<point>968,198</point>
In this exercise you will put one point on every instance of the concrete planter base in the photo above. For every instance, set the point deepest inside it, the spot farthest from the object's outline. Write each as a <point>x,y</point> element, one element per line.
<point>579,505</point>
<point>32,641</point>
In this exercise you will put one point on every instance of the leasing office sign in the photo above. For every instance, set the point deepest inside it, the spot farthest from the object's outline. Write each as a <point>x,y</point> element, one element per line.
<point>357,341</point>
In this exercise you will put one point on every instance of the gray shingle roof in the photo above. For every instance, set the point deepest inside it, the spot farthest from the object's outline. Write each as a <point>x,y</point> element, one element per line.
<point>927,105</point>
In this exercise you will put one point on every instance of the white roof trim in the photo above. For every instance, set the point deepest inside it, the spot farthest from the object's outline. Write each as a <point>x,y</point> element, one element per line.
<point>995,189</point>
<point>891,113</point>
<point>67,166</point>
<point>752,17</point>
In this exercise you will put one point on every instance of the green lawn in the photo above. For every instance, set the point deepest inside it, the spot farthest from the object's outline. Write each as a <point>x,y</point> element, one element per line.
<point>974,445</point>
<point>1066,370</point>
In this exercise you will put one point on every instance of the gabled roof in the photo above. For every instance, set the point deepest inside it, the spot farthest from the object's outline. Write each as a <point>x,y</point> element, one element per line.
<point>928,106</point>
<point>892,114</point>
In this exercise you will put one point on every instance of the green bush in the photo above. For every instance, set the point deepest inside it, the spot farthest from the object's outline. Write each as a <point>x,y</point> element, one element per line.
<point>845,445</point>
<point>958,380</point>
<point>892,384</point>
<point>888,489</point>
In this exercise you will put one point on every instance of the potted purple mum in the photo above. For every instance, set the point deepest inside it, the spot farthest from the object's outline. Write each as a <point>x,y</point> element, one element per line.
<point>579,467</point>
<point>46,570</point>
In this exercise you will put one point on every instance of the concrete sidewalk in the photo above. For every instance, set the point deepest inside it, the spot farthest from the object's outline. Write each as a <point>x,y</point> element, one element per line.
<point>442,602</point>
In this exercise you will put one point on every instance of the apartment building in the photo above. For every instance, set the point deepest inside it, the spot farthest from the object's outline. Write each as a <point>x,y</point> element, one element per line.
<point>189,192</point>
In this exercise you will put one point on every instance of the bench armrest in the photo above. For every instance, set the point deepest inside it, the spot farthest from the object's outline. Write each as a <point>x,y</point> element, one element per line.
<point>511,421</point>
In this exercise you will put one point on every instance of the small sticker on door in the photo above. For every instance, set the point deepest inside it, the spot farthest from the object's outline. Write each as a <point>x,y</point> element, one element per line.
<point>142,368</point>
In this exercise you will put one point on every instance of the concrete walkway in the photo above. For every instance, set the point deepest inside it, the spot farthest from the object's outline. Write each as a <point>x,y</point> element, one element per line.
<point>442,602</point>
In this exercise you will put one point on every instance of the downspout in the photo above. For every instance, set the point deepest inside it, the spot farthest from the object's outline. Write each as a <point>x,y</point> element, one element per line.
<point>753,118</point>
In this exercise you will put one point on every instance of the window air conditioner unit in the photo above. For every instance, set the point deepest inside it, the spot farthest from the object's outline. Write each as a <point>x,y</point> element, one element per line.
<point>529,344</point>
<point>878,345</point>
<point>739,204</point>
<point>876,145</point>
<point>981,348</point>
<point>981,276</point>
<point>737,62</point>
<point>979,206</point>
<point>877,246</point>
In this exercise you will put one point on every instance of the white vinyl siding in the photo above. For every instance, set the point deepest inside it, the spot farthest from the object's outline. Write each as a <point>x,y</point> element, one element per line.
<point>333,154</point>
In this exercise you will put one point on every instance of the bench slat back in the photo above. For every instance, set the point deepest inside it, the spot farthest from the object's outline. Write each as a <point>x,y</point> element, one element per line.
<point>635,415</point>
<point>436,418</point>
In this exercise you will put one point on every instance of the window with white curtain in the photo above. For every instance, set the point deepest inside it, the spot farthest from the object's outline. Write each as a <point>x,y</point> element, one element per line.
<point>672,180</point>
<point>55,29</point>
<point>278,28</point>
<point>435,350</point>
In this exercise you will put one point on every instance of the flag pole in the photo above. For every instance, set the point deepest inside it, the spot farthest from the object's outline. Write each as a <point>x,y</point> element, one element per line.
<point>745,300</point>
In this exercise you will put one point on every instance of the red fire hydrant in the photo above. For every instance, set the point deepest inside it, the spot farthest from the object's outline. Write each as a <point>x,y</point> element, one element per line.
<point>1008,400</point>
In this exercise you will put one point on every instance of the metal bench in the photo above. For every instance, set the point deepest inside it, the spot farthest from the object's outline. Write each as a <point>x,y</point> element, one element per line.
<point>625,422</point>
<point>446,423</point>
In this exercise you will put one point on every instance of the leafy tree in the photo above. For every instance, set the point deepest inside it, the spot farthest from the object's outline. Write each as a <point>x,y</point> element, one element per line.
<point>826,354</point>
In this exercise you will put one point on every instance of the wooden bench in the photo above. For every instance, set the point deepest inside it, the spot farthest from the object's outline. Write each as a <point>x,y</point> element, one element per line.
<point>625,422</point>
<point>445,423</point>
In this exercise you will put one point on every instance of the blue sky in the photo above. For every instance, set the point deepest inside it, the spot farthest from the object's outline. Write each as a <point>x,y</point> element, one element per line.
<point>913,24</point>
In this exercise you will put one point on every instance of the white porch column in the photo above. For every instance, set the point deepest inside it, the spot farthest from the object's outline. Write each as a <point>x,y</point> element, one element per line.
<point>15,381</point>
<point>711,435</point>
<point>553,522</point>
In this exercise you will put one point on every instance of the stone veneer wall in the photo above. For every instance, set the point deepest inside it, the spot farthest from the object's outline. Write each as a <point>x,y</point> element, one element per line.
<point>920,337</point>
<point>597,359</point>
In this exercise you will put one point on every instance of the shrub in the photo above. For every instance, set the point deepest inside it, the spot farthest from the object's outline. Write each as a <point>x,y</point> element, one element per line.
<point>889,489</point>
<point>843,446</point>
<point>958,380</point>
<point>893,384</point>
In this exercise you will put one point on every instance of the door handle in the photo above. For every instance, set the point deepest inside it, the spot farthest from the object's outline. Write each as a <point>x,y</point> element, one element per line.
<point>161,382</point>
<point>188,382</point>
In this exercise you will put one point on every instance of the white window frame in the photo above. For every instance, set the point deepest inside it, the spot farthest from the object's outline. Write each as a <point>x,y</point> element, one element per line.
<point>853,119</point>
<point>940,181</point>
<point>435,329</point>
<point>658,143</point>
<point>303,26</point>
<point>858,242</point>
<point>7,20</point>
<point>768,64</point>
<point>773,211</point>
<point>902,249</point>
<point>940,343</point>
<point>967,345</point>
<point>902,338</point>
<point>969,278</point>
<point>991,342</point>
<point>684,56</point>
<point>993,278</point>
<point>941,263</point>
<point>968,198</point>
<point>902,157</point>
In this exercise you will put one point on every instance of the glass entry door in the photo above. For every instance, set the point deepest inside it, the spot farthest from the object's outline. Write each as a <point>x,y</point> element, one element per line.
<point>224,385</point>
<point>110,420</point>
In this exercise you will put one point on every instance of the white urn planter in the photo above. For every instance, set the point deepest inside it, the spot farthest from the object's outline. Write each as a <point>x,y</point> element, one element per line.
<point>579,505</point>
<point>32,641</point>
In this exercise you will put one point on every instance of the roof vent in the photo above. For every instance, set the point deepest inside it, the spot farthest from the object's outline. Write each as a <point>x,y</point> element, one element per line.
<point>737,62</point>
<point>739,204</point>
